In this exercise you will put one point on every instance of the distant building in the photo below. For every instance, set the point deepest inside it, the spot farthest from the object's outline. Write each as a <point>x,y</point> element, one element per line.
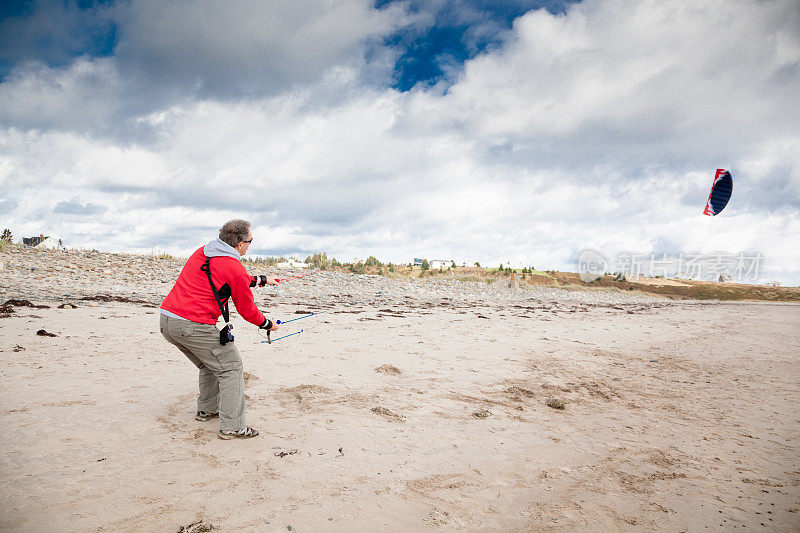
<point>418,261</point>
<point>725,277</point>
<point>43,241</point>
<point>34,241</point>
<point>440,263</point>
<point>513,266</point>
<point>292,263</point>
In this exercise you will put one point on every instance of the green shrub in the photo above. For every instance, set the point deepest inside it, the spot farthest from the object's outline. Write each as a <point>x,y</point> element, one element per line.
<point>269,260</point>
<point>321,260</point>
<point>373,262</point>
<point>357,268</point>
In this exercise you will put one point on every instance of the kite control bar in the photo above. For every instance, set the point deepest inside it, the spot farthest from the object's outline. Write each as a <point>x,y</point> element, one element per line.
<point>270,341</point>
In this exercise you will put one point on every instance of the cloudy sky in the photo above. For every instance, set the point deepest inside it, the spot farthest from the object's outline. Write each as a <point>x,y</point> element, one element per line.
<point>491,131</point>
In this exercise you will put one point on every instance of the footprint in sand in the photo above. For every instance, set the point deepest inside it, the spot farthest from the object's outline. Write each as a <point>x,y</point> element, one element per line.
<point>389,369</point>
<point>387,413</point>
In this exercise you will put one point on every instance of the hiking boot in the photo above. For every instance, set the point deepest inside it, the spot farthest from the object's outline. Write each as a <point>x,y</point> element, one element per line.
<point>246,433</point>
<point>202,416</point>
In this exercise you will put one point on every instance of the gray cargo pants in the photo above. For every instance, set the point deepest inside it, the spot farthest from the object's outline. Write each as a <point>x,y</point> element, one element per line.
<point>221,377</point>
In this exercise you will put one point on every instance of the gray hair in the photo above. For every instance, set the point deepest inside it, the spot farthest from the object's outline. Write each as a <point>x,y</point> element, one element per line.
<point>234,231</point>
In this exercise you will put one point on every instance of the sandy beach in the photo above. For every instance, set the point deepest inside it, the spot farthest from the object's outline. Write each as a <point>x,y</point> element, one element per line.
<point>424,407</point>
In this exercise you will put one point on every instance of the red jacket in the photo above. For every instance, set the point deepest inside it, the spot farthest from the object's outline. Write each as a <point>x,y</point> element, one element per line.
<point>191,297</point>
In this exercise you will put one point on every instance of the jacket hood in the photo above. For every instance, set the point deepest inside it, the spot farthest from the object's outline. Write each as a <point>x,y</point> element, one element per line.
<point>218,248</point>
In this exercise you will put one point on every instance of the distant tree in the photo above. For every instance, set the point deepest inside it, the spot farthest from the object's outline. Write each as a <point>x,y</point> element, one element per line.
<point>6,236</point>
<point>373,262</point>
<point>425,265</point>
<point>319,260</point>
<point>357,268</point>
<point>453,265</point>
<point>477,264</point>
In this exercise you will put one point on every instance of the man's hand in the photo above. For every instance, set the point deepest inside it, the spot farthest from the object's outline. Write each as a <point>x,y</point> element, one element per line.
<point>270,325</point>
<point>264,280</point>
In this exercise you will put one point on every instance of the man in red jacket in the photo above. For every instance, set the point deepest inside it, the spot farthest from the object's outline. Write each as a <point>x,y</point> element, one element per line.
<point>189,315</point>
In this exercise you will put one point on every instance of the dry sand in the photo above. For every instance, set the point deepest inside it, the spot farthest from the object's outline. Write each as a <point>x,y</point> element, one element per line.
<point>678,416</point>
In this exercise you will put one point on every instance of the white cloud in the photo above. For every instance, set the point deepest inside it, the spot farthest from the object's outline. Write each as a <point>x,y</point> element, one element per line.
<point>254,48</point>
<point>656,79</point>
<point>172,53</point>
<point>83,96</point>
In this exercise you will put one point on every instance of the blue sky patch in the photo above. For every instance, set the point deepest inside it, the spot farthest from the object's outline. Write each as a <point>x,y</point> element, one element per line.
<point>456,32</point>
<point>54,33</point>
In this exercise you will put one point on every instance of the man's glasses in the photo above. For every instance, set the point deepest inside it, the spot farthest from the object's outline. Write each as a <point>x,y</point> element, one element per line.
<point>248,242</point>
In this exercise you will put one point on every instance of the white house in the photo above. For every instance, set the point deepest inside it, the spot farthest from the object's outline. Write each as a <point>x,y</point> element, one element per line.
<point>49,242</point>
<point>293,263</point>
<point>440,263</point>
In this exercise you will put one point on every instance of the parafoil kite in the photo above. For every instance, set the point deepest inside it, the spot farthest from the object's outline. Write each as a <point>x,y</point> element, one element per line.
<point>720,193</point>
